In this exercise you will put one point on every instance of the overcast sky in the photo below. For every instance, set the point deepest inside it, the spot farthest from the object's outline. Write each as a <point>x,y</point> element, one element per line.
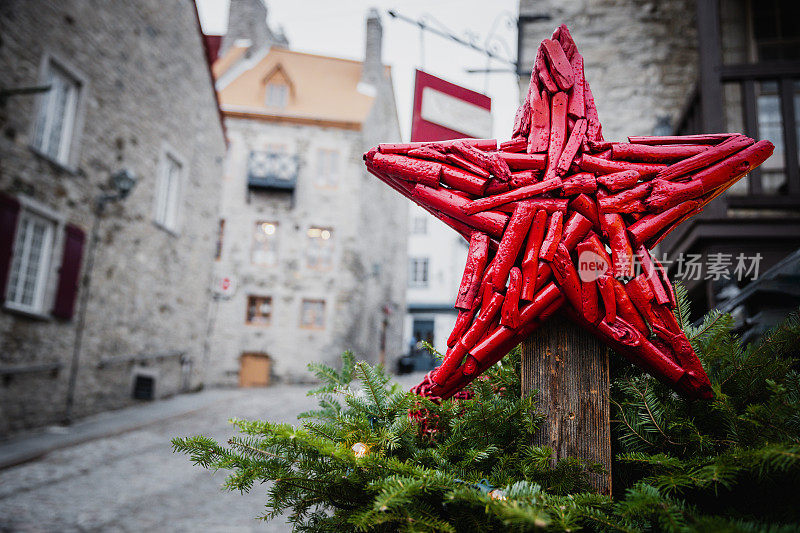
<point>337,29</point>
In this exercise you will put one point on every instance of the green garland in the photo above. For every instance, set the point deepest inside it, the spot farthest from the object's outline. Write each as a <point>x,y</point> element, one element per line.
<point>731,464</point>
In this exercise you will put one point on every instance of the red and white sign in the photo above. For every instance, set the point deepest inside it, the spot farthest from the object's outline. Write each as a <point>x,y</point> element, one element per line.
<point>225,286</point>
<point>444,110</point>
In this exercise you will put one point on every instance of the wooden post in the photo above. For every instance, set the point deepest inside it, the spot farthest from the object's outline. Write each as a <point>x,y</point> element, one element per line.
<point>569,369</point>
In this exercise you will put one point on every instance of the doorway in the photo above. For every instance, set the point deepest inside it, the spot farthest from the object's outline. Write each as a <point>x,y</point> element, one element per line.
<point>255,369</point>
<point>423,330</point>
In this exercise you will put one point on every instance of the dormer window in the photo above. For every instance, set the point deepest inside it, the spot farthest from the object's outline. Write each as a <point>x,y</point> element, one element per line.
<point>277,95</point>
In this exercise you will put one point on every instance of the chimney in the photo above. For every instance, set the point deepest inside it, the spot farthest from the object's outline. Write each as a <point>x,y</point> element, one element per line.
<point>372,71</point>
<point>247,21</point>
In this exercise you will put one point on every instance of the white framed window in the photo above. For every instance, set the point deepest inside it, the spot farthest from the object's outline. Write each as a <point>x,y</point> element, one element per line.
<point>419,225</point>
<point>319,252</point>
<point>264,249</point>
<point>277,95</point>
<point>312,314</point>
<point>418,272</point>
<point>327,168</point>
<point>56,117</point>
<point>168,191</point>
<point>31,262</point>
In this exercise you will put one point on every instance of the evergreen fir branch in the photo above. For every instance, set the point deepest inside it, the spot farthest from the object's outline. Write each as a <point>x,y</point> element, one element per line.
<point>330,377</point>
<point>683,307</point>
<point>633,428</point>
<point>713,321</point>
<point>375,385</point>
<point>432,350</point>
<point>684,466</point>
<point>781,339</point>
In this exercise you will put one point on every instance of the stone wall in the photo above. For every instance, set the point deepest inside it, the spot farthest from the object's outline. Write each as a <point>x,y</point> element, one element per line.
<point>640,56</point>
<point>146,86</point>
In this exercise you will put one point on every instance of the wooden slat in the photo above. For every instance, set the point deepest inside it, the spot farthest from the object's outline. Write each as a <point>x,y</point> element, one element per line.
<point>708,43</point>
<point>786,88</point>
<point>569,369</point>
<point>760,71</point>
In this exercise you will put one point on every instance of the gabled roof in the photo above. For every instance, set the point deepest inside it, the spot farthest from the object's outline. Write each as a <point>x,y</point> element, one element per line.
<point>232,56</point>
<point>324,89</point>
<point>278,75</point>
<point>207,53</point>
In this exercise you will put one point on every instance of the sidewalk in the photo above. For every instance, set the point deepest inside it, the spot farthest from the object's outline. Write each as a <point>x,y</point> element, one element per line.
<point>30,446</point>
<point>35,444</point>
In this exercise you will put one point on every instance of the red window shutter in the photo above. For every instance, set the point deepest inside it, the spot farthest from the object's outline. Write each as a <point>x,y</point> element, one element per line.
<point>69,274</point>
<point>9,212</point>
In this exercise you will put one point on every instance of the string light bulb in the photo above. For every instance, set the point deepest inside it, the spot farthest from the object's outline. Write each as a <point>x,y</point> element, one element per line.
<point>360,449</point>
<point>497,494</point>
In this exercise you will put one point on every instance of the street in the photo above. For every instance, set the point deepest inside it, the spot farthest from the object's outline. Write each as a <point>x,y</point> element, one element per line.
<point>133,482</point>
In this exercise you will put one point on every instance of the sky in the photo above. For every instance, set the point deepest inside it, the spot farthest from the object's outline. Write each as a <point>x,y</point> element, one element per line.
<point>337,29</point>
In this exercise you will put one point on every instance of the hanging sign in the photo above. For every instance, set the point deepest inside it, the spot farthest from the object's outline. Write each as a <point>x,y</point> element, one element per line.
<point>444,110</point>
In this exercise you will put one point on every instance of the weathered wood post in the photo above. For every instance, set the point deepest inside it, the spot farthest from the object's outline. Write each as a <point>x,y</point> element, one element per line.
<point>569,369</point>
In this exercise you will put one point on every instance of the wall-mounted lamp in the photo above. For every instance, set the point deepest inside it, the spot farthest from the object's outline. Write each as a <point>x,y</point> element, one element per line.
<point>123,181</point>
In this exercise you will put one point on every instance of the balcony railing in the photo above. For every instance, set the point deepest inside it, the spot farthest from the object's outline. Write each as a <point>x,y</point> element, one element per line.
<point>272,170</point>
<point>763,100</point>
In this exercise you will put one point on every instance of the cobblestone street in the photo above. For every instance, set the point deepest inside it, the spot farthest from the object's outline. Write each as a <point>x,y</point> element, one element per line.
<point>133,481</point>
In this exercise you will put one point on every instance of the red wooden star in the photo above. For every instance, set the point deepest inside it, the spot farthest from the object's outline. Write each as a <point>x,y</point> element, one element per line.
<point>542,212</point>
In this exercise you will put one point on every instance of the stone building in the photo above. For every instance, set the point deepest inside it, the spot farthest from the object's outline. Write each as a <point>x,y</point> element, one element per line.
<point>312,248</point>
<point>695,66</point>
<point>89,89</point>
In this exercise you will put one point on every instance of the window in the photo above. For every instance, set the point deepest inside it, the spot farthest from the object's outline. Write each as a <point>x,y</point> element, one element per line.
<point>259,310</point>
<point>30,262</point>
<point>32,239</point>
<point>220,237</point>
<point>312,314</point>
<point>775,29</point>
<point>759,31</point>
<point>264,250</point>
<point>55,120</point>
<point>770,127</point>
<point>277,95</point>
<point>418,272</point>
<point>419,225</point>
<point>168,192</point>
<point>319,252</point>
<point>327,168</point>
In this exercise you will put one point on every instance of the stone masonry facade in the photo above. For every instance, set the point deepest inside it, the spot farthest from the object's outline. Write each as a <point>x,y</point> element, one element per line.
<point>145,93</point>
<point>368,232</point>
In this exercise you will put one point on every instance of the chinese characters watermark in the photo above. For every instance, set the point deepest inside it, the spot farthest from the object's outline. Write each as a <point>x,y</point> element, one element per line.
<point>688,267</point>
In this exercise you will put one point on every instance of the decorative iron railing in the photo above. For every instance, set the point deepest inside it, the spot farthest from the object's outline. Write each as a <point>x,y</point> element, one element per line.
<point>272,170</point>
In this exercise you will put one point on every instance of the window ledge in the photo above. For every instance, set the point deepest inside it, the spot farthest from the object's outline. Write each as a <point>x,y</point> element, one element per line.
<point>61,166</point>
<point>764,201</point>
<point>9,307</point>
<point>170,231</point>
